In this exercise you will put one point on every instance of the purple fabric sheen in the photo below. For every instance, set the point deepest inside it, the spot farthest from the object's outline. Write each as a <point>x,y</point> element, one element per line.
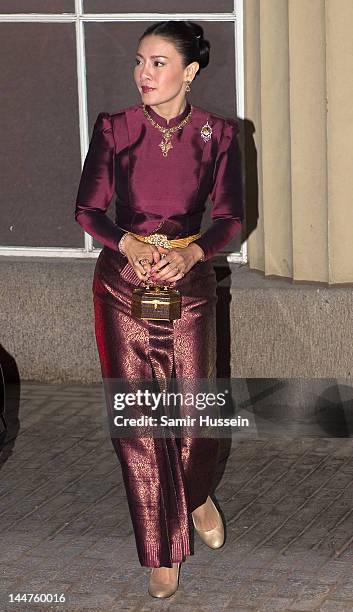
<point>154,192</point>
<point>165,478</point>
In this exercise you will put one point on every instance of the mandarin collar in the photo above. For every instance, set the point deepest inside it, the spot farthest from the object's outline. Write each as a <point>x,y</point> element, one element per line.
<point>173,121</point>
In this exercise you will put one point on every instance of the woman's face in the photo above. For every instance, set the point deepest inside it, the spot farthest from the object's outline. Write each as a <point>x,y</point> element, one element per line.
<point>159,66</point>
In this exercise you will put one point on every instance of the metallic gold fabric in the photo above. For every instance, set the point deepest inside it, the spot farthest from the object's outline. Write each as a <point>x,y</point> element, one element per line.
<point>162,240</point>
<point>165,478</point>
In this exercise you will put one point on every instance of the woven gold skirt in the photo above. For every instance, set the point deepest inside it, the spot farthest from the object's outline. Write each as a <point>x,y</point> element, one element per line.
<point>165,478</point>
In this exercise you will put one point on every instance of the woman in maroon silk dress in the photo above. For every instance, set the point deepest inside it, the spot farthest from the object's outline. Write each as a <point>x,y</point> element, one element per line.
<point>162,181</point>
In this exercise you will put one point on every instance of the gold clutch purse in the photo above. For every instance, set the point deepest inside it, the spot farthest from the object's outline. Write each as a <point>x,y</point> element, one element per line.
<point>154,302</point>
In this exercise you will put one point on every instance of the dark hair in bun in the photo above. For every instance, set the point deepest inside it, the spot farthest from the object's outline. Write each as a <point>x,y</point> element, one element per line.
<point>187,36</point>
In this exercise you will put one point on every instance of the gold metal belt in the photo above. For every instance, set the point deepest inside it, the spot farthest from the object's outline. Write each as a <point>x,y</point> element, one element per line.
<point>163,241</point>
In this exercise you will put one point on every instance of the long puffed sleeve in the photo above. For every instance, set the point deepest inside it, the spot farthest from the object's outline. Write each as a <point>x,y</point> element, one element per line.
<point>226,195</point>
<point>97,185</point>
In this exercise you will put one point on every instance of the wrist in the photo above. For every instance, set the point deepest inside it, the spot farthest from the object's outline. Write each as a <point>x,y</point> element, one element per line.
<point>198,252</point>
<point>123,243</point>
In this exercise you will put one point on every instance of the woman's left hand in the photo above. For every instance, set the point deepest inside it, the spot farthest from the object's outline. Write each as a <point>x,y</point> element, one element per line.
<point>175,264</point>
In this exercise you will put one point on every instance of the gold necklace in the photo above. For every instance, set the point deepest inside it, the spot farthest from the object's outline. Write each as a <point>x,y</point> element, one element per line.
<point>166,144</point>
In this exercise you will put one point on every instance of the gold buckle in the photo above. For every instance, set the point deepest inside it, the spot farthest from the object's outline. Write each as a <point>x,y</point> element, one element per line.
<point>158,240</point>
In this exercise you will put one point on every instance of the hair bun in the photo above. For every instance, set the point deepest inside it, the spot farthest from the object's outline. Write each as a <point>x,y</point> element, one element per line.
<point>204,50</point>
<point>202,43</point>
<point>196,29</point>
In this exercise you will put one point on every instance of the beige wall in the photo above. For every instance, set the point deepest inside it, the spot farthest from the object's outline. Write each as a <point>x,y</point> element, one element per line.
<point>299,98</point>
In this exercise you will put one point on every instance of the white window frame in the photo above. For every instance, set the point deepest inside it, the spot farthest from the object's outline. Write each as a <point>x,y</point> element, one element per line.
<point>79,18</point>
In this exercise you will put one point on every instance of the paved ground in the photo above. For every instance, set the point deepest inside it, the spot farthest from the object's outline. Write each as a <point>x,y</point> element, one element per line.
<point>65,526</point>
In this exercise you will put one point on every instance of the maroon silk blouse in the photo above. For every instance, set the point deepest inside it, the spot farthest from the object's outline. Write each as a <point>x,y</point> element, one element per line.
<point>124,157</point>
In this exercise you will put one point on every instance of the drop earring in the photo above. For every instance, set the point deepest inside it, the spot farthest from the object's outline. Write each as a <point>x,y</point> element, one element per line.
<point>187,88</point>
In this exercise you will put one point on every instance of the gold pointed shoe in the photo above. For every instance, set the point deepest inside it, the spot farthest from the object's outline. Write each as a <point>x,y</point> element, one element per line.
<point>162,589</point>
<point>214,538</point>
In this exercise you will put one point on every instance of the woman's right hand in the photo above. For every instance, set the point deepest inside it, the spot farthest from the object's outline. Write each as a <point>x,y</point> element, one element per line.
<point>135,251</point>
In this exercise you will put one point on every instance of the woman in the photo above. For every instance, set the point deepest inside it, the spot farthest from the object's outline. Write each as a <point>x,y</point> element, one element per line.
<point>162,179</point>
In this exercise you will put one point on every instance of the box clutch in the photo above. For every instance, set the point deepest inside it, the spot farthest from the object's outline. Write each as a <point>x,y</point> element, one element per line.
<point>154,302</point>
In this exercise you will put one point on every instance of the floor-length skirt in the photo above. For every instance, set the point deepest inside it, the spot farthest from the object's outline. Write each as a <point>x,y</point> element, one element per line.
<point>165,478</point>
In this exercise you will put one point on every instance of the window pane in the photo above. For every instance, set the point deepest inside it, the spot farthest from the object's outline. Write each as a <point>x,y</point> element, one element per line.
<point>37,6</point>
<point>158,6</point>
<point>110,51</point>
<point>39,147</point>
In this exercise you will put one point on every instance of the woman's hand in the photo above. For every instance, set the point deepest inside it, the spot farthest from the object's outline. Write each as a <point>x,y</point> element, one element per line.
<point>141,256</point>
<point>175,263</point>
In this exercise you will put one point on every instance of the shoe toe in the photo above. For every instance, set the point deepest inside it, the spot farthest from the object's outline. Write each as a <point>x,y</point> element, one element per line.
<point>160,590</point>
<point>213,538</point>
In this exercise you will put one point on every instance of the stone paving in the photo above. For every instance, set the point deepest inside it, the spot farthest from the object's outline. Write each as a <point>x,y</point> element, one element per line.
<point>65,526</point>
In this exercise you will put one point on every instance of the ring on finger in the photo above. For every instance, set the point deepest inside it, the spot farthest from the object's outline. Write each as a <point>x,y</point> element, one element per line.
<point>144,261</point>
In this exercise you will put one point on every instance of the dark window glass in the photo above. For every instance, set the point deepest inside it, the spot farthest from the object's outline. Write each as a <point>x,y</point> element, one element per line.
<point>39,146</point>
<point>110,53</point>
<point>37,6</point>
<point>158,6</point>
